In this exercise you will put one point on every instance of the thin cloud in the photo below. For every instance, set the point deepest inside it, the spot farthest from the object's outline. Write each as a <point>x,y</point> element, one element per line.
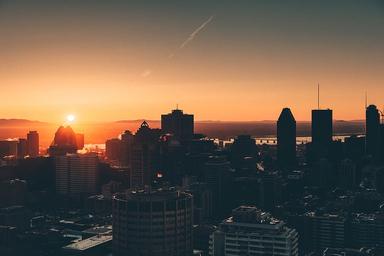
<point>192,36</point>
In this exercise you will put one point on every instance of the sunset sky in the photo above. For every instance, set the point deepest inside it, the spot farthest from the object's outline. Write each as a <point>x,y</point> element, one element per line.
<point>221,60</point>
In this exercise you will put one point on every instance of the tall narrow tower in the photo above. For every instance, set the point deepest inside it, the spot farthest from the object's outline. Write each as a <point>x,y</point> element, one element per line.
<point>372,124</point>
<point>286,140</point>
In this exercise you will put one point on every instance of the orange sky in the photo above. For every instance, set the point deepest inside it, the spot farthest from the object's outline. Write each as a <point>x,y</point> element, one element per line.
<point>107,62</point>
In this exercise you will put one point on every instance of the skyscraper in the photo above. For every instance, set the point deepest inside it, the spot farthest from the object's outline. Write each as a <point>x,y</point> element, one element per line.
<point>322,131</point>
<point>152,223</point>
<point>65,142</point>
<point>178,124</point>
<point>76,174</point>
<point>22,148</point>
<point>372,124</point>
<point>286,139</point>
<point>249,231</point>
<point>144,156</point>
<point>33,144</point>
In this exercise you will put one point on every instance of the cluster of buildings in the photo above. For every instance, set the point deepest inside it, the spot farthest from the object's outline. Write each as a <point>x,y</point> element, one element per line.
<point>171,191</point>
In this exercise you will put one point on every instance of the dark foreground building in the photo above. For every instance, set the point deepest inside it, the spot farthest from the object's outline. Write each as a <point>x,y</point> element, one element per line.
<point>152,223</point>
<point>286,140</point>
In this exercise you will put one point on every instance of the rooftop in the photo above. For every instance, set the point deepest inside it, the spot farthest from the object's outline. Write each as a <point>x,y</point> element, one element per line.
<point>89,243</point>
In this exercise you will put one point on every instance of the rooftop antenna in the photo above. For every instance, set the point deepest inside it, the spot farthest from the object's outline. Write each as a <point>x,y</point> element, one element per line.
<point>318,96</point>
<point>366,100</point>
<point>177,106</point>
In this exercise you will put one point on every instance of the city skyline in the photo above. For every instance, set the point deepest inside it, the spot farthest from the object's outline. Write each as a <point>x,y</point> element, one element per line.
<point>134,60</point>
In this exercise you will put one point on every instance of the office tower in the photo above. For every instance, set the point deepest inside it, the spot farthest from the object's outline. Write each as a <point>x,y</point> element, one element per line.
<point>324,230</point>
<point>126,148</point>
<point>76,174</point>
<point>33,144</point>
<point>367,230</point>
<point>321,131</point>
<point>64,142</point>
<point>152,223</point>
<point>113,149</point>
<point>202,202</point>
<point>144,156</point>
<point>286,140</point>
<point>13,192</point>
<point>217,175</point>
<point>178,124</point>
<point>79,141</point>
<point>8,148</point>
<point>249,231</point>
<point>271,189</point>
<point>22,148</point>
<point>372,124</point>
<point>243,151</point>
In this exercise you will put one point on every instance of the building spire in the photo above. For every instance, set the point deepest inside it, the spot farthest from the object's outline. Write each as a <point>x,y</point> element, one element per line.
<point>318,95</point>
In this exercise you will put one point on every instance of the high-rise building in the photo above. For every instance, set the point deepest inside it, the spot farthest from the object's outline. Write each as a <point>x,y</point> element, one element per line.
<point>65,142</point>
<point>217,175</point>
<point>113,149</point>
<point>322,131</point>
<point>80,141</point>
<point>324,230</point>
<point>152,223</point>
<point>249,231</point>
<point>22,148</point>
<point>76,174</point>
<point>243,152</point>
<point>286,139</point>
<point>8,148</point>
<point>125,157</point>
<point>144,156</point>
<point>33,144</point>
<point>372,124</point>
<point>178,124</point>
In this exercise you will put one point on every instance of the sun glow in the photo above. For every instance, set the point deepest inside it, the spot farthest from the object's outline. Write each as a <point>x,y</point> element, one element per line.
<point>71,118</point>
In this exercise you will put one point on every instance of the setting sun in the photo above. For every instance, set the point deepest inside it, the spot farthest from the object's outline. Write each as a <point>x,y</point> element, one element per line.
<point>71,118</point>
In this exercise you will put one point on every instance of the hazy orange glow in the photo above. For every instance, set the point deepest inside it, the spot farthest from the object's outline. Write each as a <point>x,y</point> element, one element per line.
<point>111,66</point>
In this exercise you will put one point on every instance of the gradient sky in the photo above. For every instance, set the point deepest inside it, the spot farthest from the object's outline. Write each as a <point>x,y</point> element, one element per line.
<point>221,60</point>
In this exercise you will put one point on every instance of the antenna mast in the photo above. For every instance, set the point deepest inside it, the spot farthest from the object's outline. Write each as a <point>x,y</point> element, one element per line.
<point>318,95</point>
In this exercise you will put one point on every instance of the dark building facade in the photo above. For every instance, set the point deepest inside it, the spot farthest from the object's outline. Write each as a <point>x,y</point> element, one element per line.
<point>152,223</point>
<point>286,139</point>
<point>372,130</point>
<point>179,124</point>
<point>33,144</point>
<point>322,131</point>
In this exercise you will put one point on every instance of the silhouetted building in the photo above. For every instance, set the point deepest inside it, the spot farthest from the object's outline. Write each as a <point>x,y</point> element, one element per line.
<point>372,130</point>
<point>152,223</point>
<point>22,148</point>
<point>249,231</point>
<point>79,141</point>
<point>33,144</point>
<point>322,131</point>
<point>179,124</point>
<point>76,174</point>
<point>323,231</point>
<point>8,148</point>
<point>286,139</point>
<point>243,151</point>
<point>127,139</point>
<point>113,149</point>
<point>217,175</point>
<point>13,192</point>
<point>144,156</point>
<point>202,202</point>
<point>64,142</point>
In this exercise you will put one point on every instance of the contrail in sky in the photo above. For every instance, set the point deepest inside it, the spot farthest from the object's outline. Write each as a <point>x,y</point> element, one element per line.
<point>193,35</point>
